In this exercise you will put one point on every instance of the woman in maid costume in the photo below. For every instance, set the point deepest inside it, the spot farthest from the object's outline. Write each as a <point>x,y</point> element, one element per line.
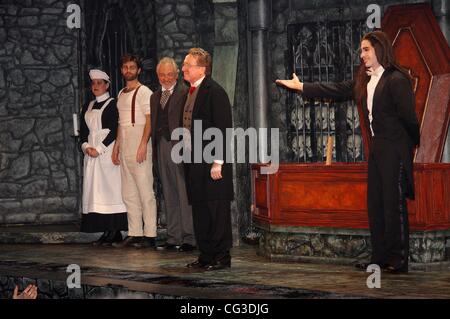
<point>103,208</point>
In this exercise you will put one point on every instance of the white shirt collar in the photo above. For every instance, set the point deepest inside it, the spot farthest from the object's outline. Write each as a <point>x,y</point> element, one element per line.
<point>170,89</point>
<point>377,73</point>
<point>198,82</point>
<point>102,97</point>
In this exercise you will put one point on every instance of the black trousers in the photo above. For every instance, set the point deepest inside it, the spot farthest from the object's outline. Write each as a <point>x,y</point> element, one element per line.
<point>212,228</point>
<point>388,216</point>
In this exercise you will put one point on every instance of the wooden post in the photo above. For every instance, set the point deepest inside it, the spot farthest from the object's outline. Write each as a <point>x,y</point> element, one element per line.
<point>329,150</point>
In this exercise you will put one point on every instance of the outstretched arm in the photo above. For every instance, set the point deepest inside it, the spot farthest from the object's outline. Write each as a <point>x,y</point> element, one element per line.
<point>293,84</point>
<point>329,90</point>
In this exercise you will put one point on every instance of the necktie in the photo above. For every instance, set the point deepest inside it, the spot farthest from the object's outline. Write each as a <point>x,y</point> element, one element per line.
<point>164,98</point>
<point>191,90</point>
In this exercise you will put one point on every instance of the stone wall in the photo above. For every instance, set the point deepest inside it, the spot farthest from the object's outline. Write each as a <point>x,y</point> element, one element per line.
<point>39,174</point>
<point>346,246</point>
<point>183,24</point>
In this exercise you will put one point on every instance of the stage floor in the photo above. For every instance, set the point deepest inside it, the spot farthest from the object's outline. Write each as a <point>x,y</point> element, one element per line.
<point>251,276</point>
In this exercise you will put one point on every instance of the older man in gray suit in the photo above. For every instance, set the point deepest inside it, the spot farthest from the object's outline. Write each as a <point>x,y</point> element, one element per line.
<point>166,106</point>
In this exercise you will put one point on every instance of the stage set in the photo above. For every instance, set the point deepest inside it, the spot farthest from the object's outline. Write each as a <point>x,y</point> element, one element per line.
<point>297,232</point>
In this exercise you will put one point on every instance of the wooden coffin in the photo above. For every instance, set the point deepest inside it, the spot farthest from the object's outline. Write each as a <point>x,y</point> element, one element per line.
<point>315,195</point>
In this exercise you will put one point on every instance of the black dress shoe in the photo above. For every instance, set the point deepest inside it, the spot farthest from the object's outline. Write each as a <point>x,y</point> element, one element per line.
<point>186,247</point>
<point>395,270</point>
<point>168,247</point>
<point>363,265</point>
<point>145,242</point>
<point>197,265</point>
<point>127,242</point>
<point>217,266</point>
<point>102,238</point>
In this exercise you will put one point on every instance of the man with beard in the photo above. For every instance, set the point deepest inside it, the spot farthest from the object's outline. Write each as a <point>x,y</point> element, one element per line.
<point>133,154</point>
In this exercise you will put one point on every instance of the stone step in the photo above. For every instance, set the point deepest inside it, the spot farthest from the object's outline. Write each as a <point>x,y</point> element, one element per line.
<point>52,234</point>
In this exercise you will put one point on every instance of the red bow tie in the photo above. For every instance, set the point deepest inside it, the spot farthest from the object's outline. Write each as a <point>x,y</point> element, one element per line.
<point>192,89</point>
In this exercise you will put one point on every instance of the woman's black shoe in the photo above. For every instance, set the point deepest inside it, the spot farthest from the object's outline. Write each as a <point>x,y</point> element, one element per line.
<point>114,237</point>
<point>102,238</point>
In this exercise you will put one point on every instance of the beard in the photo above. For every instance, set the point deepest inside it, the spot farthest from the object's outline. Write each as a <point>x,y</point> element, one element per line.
<point>130,77</point>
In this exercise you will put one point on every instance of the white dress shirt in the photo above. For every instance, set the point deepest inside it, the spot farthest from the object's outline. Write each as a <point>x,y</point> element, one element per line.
<point>375,76</point>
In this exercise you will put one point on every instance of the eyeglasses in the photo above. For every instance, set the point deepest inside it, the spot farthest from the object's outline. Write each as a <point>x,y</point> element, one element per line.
<point>187,65</point>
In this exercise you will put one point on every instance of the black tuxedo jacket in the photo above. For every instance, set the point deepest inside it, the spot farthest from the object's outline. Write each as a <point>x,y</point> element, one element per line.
<point>212,109</point>
<point>393,112</point>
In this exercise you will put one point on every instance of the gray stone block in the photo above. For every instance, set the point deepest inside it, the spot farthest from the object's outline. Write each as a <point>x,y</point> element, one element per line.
<point>9,46</point>
<point>45,127</point>
<point>56,218</point>
<point>15,97</point>
<point>30,142</point>
<point>164,9</point>
<point>52,204</point>
<point>28,59</point>
<point>51,59</point>
<point>3,35</point>
<point>35,188</point>
<point>19,218</point>
<point>184,10</point>
<point>20,167</point>
<point>20,127</point>
<point>179,37</point>
<point>62,52</point>
<point>47,88</point>
<point>50,10</point>
<point>61,77</point>
<point>2,78</point>
<point>29,21</point>
<point>39,160</point>
<point>48,19</point>
<point>171,27</point>
<point>61,185</point>
<point>70,203</point>
<point>9,190</point>
<point>29,11</point>
<point>12,9</point>
<point>35,203</point>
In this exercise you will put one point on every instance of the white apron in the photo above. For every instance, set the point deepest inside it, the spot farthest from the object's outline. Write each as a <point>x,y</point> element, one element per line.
<point>102,181</point>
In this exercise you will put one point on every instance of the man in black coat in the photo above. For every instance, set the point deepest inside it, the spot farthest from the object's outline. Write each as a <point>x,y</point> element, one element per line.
<point>166,106</point>
<point>209,181</point>
<point>384,90</point>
